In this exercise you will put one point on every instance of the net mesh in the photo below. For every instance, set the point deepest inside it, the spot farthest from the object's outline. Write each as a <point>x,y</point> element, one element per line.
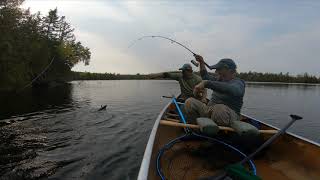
<point>193,159</point>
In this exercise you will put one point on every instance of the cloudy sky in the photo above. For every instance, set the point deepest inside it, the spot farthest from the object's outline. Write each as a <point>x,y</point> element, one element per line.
<point>264,36</point>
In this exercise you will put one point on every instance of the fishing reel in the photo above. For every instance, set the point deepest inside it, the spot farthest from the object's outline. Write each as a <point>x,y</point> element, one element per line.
<point>194,63</point>
<point>197,64</point>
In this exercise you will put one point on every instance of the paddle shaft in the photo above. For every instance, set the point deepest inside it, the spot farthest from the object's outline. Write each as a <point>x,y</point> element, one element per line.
<point>193,126</point>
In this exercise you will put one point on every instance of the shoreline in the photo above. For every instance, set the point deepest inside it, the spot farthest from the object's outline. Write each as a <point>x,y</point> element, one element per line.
<point>8,90</point>
<point>248,82</point>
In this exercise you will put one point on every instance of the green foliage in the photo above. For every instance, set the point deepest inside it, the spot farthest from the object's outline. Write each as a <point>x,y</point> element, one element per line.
<point>273,77</point>
<point>28,42</point>
<point>10,3</point>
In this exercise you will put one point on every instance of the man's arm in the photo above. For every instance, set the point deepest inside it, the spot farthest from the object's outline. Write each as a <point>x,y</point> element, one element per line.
<point>203,70</point>
<point>172,75</point>
<point>205,75</point>
<point>234,88</point>
<point>155,76</point>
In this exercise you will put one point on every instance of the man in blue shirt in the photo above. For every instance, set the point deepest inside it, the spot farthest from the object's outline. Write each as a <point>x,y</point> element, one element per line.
<point>226,102</point>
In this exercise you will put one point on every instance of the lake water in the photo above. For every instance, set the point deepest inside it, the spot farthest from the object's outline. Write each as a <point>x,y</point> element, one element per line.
<point>59,134</point>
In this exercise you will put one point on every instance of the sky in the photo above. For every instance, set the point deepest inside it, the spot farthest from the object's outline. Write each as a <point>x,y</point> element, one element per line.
<point>263,36</point>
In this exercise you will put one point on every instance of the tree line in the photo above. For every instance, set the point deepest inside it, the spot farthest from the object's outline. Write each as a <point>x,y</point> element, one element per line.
<point>30,42</point>
<point>278,77</point>
<point>247,76</point>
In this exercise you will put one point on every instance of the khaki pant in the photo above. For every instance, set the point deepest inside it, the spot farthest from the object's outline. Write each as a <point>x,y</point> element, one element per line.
<point>219,113</point>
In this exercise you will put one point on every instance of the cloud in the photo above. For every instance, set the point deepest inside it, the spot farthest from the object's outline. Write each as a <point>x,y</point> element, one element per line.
<point>106,58</point>
<point>294,52</point>
<point>267,36</point>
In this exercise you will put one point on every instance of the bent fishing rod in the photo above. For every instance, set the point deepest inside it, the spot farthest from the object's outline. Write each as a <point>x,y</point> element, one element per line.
<point>172,41</point>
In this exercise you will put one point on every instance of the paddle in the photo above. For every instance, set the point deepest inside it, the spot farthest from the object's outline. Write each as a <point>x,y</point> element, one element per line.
<point>223,174</point>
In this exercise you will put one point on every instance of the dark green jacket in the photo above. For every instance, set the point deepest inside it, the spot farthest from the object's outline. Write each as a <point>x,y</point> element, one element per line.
<point>186,85</point>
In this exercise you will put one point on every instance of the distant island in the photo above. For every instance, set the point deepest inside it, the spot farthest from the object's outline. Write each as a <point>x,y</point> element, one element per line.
<point>247,76</point>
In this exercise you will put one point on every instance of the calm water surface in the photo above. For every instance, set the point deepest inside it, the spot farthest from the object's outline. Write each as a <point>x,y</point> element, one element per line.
<point>59,134</point>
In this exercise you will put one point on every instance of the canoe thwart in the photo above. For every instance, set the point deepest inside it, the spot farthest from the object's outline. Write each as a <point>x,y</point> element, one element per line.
<point>173,120</point>
<point>244,128</point>
<point>195,126</point>
<point>171,114</point>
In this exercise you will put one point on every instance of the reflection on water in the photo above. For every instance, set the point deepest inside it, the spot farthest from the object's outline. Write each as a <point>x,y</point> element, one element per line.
<point>28,117</point>
<point>37,100</point>
<point>58,133</point>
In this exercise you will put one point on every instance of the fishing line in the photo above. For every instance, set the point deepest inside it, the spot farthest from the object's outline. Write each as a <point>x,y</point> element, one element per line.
<point>172,41</point>
<point>162,37</point>
<point>39,75</point>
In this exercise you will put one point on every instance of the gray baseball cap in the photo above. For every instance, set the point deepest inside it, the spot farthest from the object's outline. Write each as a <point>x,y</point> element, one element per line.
<point>225,63</point>
<point>186,66</point>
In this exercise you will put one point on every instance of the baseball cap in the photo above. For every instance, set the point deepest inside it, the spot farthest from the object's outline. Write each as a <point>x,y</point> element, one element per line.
<point>186,67</point>
<point>225,63</point>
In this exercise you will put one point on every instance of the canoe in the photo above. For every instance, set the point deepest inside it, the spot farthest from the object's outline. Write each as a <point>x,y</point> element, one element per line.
<point>289,157</point>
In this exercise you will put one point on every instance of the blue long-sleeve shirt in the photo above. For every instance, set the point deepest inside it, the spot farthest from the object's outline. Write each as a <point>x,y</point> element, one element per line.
<point>229,93</point>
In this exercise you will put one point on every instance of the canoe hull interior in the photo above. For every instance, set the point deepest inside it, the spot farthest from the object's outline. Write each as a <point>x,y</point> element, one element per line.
<point>288,158</point>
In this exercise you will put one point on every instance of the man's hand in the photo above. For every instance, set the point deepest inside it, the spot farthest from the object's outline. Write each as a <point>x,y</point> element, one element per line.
<point>201,62</point>
<point>200,86</point>
<point>199,58</point>
<point>199,89</point>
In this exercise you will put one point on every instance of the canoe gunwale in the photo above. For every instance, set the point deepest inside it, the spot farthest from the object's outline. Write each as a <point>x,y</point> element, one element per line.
<point>145,164</point>
<point>288,133</point>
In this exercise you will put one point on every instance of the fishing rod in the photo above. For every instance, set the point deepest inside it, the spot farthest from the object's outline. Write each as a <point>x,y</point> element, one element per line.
<point>172,41</point>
